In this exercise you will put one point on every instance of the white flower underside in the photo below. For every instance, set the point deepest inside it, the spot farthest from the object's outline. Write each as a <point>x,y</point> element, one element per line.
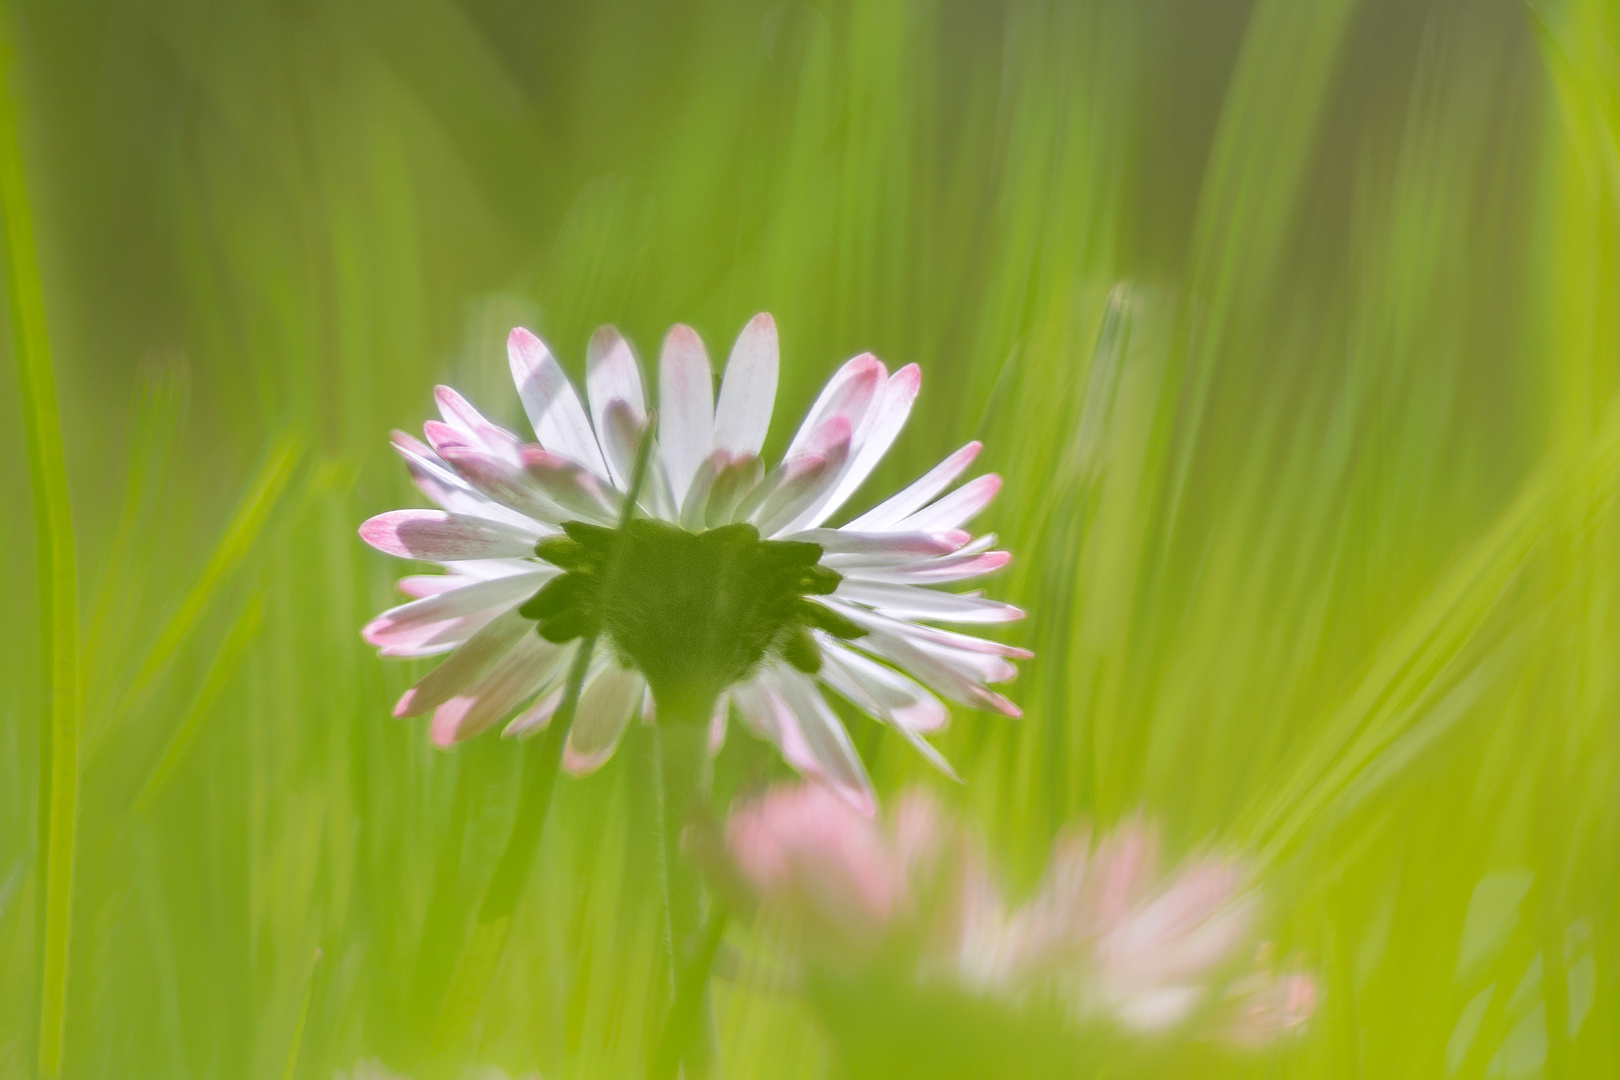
<point>498,495</point>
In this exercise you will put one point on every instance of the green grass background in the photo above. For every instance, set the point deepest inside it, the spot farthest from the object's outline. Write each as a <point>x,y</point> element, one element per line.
<point>1293,326</point>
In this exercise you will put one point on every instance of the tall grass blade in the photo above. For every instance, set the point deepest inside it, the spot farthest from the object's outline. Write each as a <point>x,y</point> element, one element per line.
<point>57,579</point>
<point>244,530</point>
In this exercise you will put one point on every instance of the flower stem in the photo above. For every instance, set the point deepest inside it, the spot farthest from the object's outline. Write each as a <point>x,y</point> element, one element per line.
<point>483,947</point>
<point>684,776</point>
<point>58,586</point>
<point>691,996</point>
<point>482,950</point>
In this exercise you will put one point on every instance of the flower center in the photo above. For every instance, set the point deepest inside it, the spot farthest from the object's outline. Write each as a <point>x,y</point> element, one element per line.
<point>693,612</point>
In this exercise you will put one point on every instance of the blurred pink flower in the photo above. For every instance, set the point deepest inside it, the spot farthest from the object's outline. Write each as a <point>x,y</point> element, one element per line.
<point>1104,933</point>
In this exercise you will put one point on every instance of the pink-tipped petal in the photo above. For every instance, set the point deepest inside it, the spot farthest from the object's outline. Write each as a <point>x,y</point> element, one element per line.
<point>458,411</point>
<point>437,536</point>
<point>504,480</point>
<point>612,378</point>
<point>849,393</point>
<point>955,509</point>
<point>717,726</point>
<point>828,743</point>
<point>686,407</point>
<point>742,416</point>
<point>421,586</point>
<point>464,667</point>
<point>803,476</point>
<point>883,547</point>
<point>695,503</point>
<point>912,602</point>
<point>605,708</point>
<point>571,486</point>
<point>439,482</point>
<point>733,488</point>
<point>836,672</point>
<point>899,699</point>
<point>552,405</point>
<point>958,567</point>
<point>871,441</point>
<point>919,494</point>
<point>536,717</point>
<point>414,624</point>
<point>529,666</point>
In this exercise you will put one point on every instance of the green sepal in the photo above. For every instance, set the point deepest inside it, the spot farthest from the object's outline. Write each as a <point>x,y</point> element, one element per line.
<point>592,536</point>
<point>558,594</point>
<point>819,580</point>
<point>824,618</point>
<point>574,623</point>
<point>799,648</point>
<point>568,554</point>
<point>739,534</point>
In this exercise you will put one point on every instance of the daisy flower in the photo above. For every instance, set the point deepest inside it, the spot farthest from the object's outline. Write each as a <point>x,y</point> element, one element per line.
<point>728,591</point>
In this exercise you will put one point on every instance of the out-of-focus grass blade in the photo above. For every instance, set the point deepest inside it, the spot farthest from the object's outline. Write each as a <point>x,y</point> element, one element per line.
<point>1582,71</point>
<point>57,578</point>
<point>113,616</point>
<point>238,540</point>
<point>1561,492</point>
<point>220,670</point>
<point>1254,182</point>
<point>296,1044</point>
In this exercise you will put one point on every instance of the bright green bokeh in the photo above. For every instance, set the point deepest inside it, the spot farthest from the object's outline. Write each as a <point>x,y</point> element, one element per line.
<point>1293,327</point>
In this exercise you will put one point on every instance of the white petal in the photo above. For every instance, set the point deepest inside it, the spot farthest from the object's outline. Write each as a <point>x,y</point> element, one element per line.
<point>548,397</point>
<point>435,640</point>
<point>604,711</point>
<point>871,441</point>
<point>527,668</point>
<point>620,429</point>
<point>717,725</point>
<point>612,375</point>
<point>748,392</point>
<point>469,424</point>
<point>958,567</point>
<point>695,503</point>
<point>928,635</point>
<point>485,569</point>
<point>416,623</point>
<point>732,489</point>
<point>486,438</point>
<point>833,754</point>
<point>849,393</point>
<point>956,674</point>
<point>802,478</point>
<point>434,477</point>
<point>508,483</point>
<point>572,487</point>
<point>685,407</point>
<point>912,602</point>
<point>437,536</point>
<point>466,665</point>
<point>882,548</point>
<point>536,717</point>
<point>916,496</point>
<point>903,702</point>
<point>957,508</point>
<point>421,586</point>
